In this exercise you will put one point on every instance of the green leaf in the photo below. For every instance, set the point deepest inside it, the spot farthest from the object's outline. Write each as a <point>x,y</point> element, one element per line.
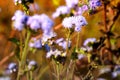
<point>14,40</point>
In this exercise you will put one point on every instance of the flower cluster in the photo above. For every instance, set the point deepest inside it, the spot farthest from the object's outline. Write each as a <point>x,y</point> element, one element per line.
<point>20,20</point>
<point>34,43</point>
<point>32,65</point>
<point>61,11</point>
<point>58,56</point>
<point>93,4</point>
<point>71,3</point>
<point>35,22</point>
<point>77,21</point>
<point>72,6</point>
<point>63,43</point>
<point>88,42</point>
<point>12,67</point>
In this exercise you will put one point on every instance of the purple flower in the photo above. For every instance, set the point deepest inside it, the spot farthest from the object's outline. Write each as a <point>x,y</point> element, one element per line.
<point>32,65</point>
<point>34,22</point>
<point>47,36</point>
<point>87,42</point>
<point>63,43</point>
<point>71,3</point>
<point>12,67</point>
<point>77,29</point>
<point>34,43</point>
<point>94,3</point>
<point>67,22</point>
<point>61,11</point>
<point>46,23</point>
<point>20,20</point>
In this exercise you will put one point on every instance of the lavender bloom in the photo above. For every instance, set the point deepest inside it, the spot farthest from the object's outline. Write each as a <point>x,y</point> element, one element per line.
<point>94,3</point>
<point>12,67</point>
<point>61,42</point>
<point>67,22</point>
<point>55,53</point>
<point>46,23</point>
<point>81,10</point>
<point>20,20</point>
<point>77,21</point>
<point>34,43</point>
<point>87,42</point>
<point>61,11</point>
<point>34,22</point>
<point>71,3</point>
<point>47,36</point>
<point>32,65</point>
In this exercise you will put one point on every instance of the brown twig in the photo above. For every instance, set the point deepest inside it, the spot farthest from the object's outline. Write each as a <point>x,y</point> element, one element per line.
<point>5,59</point>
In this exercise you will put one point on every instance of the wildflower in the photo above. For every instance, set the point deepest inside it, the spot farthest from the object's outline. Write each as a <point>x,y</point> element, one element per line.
<point>20,20</point>
<point>47,36</point>
<point>61,11</point>
<point>12,67</point>
<point>34,22</point>
<point>81,10</point>
<point>77,21</point>
<point>94,3</point>
<point>71,3</point>
<point>89,40</point>
<point>34,43</point>
<point>54,53</point>
<point>63,43</point>
<point>32,65</point>
<point>87,43</point>
<point>46,23</point>
<point>67,22</point>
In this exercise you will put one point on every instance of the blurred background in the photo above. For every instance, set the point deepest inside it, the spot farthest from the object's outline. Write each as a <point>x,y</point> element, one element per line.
<point>8,8</point>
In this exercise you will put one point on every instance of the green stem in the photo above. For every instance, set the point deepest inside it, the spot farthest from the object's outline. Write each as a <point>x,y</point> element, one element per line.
<point>22,63</point>
<point>58,72</point>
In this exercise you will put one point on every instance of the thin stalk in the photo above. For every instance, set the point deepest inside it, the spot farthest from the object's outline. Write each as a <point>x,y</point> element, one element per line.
<point>58,72</point>
<point>77,42</point>
<point>22,63</point>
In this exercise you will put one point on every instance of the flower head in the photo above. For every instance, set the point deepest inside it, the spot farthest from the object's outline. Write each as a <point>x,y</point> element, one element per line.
<point>94,3</point>
<point>87,43</point>
<point>34,22</point>
<point>71,3</point>
<point>20,20</point>
<point>77,21</point>
<point>34,43</point>
<point>61,11</point>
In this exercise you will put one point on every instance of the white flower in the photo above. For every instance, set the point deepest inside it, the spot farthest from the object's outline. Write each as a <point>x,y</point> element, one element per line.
<point>71,3</point>
<point>60,11</point>
<point>47,35</point>
<point>74,21</point>
<point>89,40</point>
<point>63,43</point>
